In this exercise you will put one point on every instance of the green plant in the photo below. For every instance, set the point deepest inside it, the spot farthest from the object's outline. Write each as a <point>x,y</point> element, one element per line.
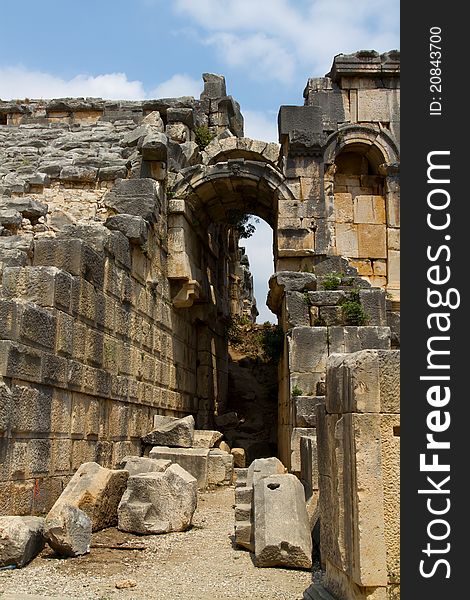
<point>203,137</point>
<point>243,223</point>
<point>332,281</point>
<point>233,330</point>
<point>272,341</point>
<point>353,311</point>
<point>296,391</point>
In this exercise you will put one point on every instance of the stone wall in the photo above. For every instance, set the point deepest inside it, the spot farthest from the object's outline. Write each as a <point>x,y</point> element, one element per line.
<point>95,339</point>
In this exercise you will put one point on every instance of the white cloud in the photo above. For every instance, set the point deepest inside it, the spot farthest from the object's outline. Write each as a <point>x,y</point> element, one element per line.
<point>178,85</point>
<point>260,125</point>
<point>263,56</point>
<point>19,82</point>
<point>306,34</point>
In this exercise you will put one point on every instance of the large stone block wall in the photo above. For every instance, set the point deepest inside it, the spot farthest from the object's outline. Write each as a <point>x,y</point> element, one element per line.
<point>316,326</point>
<point>93,339</point>
<point>90,351</point>
<point>358,430</point>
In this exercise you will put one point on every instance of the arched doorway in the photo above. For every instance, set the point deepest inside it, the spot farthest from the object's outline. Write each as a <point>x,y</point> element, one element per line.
<point>203,242</point>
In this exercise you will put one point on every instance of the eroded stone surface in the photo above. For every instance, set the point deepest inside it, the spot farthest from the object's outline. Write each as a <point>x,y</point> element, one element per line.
<point>281,526</point>
<point>21,539</point>
<point>68,530</point>
<point>158,502</point>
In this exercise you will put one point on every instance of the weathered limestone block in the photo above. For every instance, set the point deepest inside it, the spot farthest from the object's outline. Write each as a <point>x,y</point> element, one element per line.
<point>354,338</point>
<point>178,433</point>
<point>371,240</point>
<point>133,227</point>
<point>137,197</point>
<point>281,527</point>
<point>219,467</point>
<point>214,86</point>
<point>239,457</point>
<point>347,240</point>
<point>263,467</point>
<point>21,539</point>
<point>308,349</point>
<point>374,305</point>
<point>193,460</point>
<point>71,255</point>
<point>45,286</point>
<point>224,446</point>
<point>305,410</point>
<point>158,502</point>
<point>29,208</point>
<point>297,309</point>
<point>132,138</point>
<point>154,146</point>
<point>155,121</point>
<point>9,218</point>
<point>369,209</point>
<point>364,382</point>
<point>96,491</point>
<point>75,173</point>
<point>137,465</point>
<point>178,132</point>
<point>204,438</point>
<point>343,208</point>
<point>288,281</point>
<point>68,530</point>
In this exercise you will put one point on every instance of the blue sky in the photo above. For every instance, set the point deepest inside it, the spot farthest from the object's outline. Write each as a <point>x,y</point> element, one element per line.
<point>137,49</point>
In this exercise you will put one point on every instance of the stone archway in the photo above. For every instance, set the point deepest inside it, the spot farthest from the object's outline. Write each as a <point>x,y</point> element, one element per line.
<point>205,194</point>
<point>361,166</point>
<point>200,205</point>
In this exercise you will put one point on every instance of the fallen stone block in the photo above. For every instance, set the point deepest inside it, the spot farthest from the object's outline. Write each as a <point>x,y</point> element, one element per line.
<point>239,457</point>
<point>219,467</point>
<point>206,438</point>
<point>224,446</point>
<point>158,502</point>
<point>178,433</point>
<point>21,539</point>
<point>137,465</point>
<point>193,460</point>
<point>68,530</point>
<point>96,491</point>
<point>281,527</point>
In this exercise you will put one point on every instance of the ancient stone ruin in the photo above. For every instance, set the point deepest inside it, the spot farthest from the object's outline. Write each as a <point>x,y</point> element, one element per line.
<point>121,274</point>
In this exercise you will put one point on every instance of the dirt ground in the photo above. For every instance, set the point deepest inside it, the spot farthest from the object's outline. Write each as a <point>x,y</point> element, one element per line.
<point>199,564</point>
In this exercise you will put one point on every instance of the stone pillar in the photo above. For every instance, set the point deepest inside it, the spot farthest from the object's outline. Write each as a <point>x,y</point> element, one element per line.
<point>358,457</point>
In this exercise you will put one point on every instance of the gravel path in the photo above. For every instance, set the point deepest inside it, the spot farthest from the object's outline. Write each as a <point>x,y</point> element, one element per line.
<point>199,564</point>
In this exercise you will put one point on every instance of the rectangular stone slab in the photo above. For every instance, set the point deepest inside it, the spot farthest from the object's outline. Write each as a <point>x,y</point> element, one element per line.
<point>282,531</point>
<point>193,460</point>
